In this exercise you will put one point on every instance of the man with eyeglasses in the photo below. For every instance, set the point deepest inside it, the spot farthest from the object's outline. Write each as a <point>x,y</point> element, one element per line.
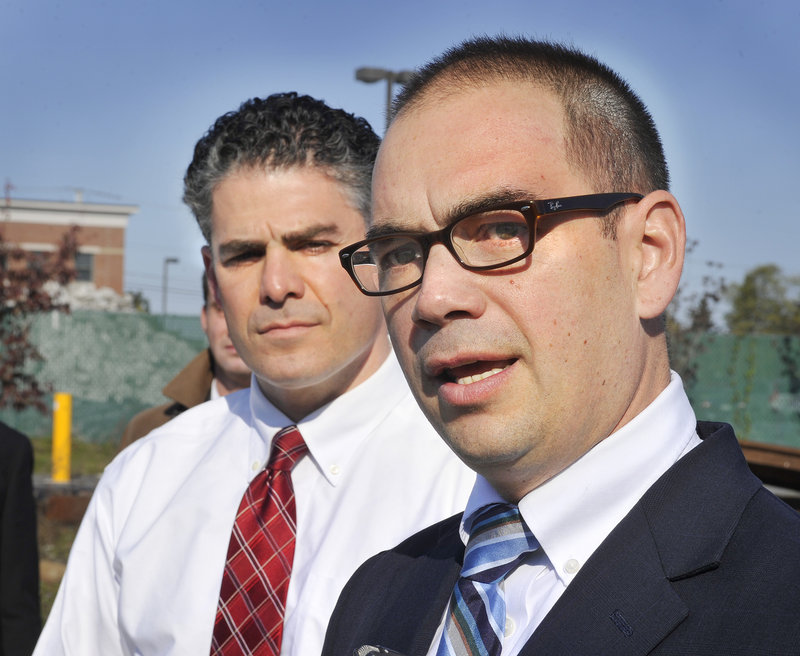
<point>525,248</point>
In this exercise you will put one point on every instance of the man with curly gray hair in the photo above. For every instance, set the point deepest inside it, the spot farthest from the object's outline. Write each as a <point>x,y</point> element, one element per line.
<point>233,528</point>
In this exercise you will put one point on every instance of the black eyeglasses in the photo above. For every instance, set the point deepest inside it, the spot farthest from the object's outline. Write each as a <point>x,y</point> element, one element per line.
<point>490,239</point>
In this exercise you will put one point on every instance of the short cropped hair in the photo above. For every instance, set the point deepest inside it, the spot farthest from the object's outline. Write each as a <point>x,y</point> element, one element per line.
<point>610,134</point>
<point>282,131</point>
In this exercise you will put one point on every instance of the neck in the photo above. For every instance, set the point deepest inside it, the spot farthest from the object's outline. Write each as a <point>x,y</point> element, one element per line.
<point>299,402</point>
<point>227,383</point>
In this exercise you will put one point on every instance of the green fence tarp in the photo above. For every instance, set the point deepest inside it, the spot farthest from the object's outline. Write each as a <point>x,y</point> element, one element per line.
<point>116,364</point>
<point>113,365</point>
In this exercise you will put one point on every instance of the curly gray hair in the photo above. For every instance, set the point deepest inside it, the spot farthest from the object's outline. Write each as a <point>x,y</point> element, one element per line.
<point>282,131</point>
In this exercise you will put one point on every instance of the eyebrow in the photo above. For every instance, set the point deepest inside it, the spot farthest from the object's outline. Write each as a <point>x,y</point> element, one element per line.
<point>468,206</point>
<point>237,246</point>
<point>330,230</point>
<point>289,239</point>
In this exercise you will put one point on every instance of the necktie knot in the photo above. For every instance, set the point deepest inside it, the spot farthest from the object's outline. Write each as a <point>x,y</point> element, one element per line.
<point>498,541</point>
<point>288,447</point>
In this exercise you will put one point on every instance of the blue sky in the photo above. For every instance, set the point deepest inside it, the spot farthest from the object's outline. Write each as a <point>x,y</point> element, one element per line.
<point>110,96</point>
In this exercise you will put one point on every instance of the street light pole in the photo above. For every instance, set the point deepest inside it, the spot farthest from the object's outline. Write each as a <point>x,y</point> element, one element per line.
<point>369,74</point>
<point>167,262</point>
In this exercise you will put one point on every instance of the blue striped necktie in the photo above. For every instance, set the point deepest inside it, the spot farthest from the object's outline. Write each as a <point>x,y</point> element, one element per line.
<point>498,542</point>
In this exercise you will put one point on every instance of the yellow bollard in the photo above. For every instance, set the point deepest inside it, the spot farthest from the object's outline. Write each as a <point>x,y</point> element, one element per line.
<point>62,437</point>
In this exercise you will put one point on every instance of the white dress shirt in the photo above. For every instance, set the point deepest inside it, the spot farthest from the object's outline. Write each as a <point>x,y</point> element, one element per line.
<point>572,513</point>
<point>145,569</point>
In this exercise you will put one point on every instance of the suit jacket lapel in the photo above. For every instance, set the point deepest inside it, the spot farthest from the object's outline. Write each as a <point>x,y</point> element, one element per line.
<point>421,576</point>
<point>448,572</point>
<point>620,603</point>
<point>623,602</point>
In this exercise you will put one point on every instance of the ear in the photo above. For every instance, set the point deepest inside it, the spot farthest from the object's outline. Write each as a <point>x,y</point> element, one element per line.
<point>208,262</point>
<point>662,235</point>
<point>204,320</point>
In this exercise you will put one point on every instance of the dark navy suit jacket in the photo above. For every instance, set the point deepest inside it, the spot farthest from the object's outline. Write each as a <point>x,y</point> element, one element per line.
<point>707,562</point>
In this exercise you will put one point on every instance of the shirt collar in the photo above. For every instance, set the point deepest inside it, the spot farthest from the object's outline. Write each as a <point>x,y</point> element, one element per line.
<point>334,432</point>
<point>572,513</point>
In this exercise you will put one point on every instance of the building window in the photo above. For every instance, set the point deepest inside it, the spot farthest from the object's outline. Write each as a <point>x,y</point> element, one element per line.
<point>84,267</point>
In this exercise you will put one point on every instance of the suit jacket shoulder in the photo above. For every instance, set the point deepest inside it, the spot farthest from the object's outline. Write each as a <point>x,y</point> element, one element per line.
<point>707,562</point>
<point>395,598</point>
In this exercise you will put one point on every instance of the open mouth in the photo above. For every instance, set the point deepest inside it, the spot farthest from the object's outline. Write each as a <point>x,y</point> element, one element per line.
<point>475,371</point>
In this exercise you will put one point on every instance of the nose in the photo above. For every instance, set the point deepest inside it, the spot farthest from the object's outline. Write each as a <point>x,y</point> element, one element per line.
<point>447,291</point>
<point>280,276</point>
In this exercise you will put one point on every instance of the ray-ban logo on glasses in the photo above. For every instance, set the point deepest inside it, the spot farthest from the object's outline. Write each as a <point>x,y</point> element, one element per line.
<point>554,205</point>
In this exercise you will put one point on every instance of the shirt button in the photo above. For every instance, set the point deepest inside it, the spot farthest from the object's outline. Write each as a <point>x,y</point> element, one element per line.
<point>571,566</point>
<point>510,626</point>
<point>335,470</point>
<point>256,465</point>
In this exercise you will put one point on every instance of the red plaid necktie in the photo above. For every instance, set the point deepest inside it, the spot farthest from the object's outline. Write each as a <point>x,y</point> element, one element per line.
<point>252,598</point>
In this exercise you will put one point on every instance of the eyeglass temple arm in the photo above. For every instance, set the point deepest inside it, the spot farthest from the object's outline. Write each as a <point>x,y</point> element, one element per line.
<point>594,203</point>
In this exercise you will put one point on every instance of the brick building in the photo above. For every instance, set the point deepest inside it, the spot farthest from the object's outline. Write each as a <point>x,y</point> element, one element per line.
<point>38,226</point>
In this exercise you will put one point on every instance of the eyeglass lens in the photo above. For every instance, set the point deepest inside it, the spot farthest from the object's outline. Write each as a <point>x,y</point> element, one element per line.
<point>489,239</point>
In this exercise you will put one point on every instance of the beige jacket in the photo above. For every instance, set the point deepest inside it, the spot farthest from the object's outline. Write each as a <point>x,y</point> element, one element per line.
<point>189,388</point>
